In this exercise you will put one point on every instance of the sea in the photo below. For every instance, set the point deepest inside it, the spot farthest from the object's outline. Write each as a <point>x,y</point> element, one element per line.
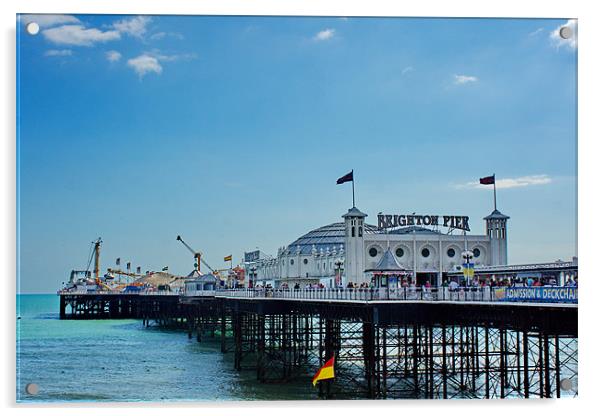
<point>122,361</point>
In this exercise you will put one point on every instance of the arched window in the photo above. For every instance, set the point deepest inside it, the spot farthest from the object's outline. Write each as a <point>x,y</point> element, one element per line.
<point>352,231</point>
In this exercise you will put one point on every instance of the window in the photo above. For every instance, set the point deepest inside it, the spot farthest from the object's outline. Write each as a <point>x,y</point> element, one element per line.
<point>292,262</point>
<point>451,252</point>
<point>304,261</point>
<point>399,252</point>
<point>476,252</point>
<point>352,231</point>
<point>426,252</point>
<point>373,252</point>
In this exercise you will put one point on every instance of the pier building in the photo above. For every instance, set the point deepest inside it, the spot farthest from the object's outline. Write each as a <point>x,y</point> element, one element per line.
<point>428,247</point>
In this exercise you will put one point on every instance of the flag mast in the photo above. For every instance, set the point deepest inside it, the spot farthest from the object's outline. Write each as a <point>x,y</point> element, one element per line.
<point>348,178</point>
<point>353,187</point>
<point>494,194</point>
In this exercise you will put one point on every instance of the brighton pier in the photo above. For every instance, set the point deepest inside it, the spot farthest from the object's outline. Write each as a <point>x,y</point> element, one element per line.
<point>388,343</point>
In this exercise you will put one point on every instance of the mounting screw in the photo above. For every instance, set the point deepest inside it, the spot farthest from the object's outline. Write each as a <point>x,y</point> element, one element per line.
<point>566,32</point>
<point>566,384</point>
<point>32,28</point>
<point>32,389</point>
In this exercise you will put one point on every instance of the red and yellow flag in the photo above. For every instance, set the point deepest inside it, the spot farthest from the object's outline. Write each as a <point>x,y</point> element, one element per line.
<point>324,373</point>
<point>228,258</point>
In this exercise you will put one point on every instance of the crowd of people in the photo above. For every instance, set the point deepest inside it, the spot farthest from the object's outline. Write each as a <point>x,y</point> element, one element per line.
<point>453,285</point>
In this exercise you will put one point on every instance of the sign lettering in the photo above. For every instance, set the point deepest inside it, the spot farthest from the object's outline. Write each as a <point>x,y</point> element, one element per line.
<point>449,221</point>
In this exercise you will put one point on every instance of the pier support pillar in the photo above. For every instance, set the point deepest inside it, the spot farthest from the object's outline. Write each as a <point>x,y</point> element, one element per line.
<point>63,307</point>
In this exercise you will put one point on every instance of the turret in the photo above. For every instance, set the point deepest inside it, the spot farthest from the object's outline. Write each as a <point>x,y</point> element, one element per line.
<point>496,228</point>
<point>354,245</point>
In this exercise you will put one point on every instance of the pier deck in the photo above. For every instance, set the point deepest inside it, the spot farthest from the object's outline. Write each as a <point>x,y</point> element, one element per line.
<point>437,344</point>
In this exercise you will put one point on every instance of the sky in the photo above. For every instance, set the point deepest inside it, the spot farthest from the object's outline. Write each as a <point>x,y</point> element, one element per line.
<point>232,131</point>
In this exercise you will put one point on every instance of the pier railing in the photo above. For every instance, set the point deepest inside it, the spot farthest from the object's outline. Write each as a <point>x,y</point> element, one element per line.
<point>473,294</point>
<point>366,294</point>
<point>463,294</point>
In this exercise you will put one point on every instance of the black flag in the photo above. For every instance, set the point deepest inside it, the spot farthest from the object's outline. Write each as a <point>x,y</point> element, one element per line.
<point>345,178</point>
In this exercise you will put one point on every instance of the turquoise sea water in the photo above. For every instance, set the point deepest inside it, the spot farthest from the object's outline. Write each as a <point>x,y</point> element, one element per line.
<point>120,360</point>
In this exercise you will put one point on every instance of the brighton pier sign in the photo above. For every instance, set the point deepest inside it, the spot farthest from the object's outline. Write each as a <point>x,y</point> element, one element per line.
<point>450,221</point>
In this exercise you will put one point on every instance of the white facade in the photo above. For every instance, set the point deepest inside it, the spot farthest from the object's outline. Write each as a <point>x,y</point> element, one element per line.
<point>348,248</point>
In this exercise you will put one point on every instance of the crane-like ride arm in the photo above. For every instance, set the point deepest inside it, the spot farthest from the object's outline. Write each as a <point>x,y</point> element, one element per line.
<point>197,256</point>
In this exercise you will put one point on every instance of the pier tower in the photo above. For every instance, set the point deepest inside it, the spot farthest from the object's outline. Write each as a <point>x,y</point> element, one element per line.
<point>496,226</point>
<point>354,246</point>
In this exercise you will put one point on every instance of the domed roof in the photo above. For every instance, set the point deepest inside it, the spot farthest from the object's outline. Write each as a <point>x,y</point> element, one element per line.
<point>495,215</point>
<point>333,236</point>
<point>329,236</point>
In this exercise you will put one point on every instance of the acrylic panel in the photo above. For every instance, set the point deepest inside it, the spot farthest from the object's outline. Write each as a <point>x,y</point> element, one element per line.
<point>190,229</point>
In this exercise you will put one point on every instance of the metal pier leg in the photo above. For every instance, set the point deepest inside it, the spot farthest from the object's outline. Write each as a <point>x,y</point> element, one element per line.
<point>415,357</point>
<point>223,331</point>
<point>540,365</point>
<point>431,362</point>
<point>526,363</point>
<point>63,307</point>
<point>368,353</point>
<point>261,348</point>
<point>237,327</point>
<point>502,364</point>
<point>518,369</point>
<point>487,369</point>
<point>444,359</point>
<point>384,370</point>
<point>546,352</point>
<point>557,364</point>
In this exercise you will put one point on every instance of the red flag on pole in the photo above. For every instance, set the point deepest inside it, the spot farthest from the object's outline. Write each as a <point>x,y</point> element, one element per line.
<point>487,180</point>
<point>345,178</point>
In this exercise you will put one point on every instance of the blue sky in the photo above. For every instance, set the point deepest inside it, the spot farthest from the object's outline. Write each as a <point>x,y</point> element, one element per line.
<point>231,131</point>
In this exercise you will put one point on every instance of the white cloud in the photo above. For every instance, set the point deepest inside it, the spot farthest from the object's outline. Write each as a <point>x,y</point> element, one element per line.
<point>464,79</point>
<point>508,183</point>
<point>156,53</point>
<point>113,56</point>
<point>135,26</point>
<point>158,36</point>
<point>78,35</point>
<point>324,34</point>
<point>559,42</point>
<point>48,20</point>
<point>144,64</point>
<point>162,35</point>
<point>407,69</point>
<point>536,32</point>
<point>58,52</point>
<point>150,61</point>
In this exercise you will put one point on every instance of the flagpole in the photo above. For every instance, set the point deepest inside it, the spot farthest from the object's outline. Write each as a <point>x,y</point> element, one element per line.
<point>494,194</point>
<point>353,187</point>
